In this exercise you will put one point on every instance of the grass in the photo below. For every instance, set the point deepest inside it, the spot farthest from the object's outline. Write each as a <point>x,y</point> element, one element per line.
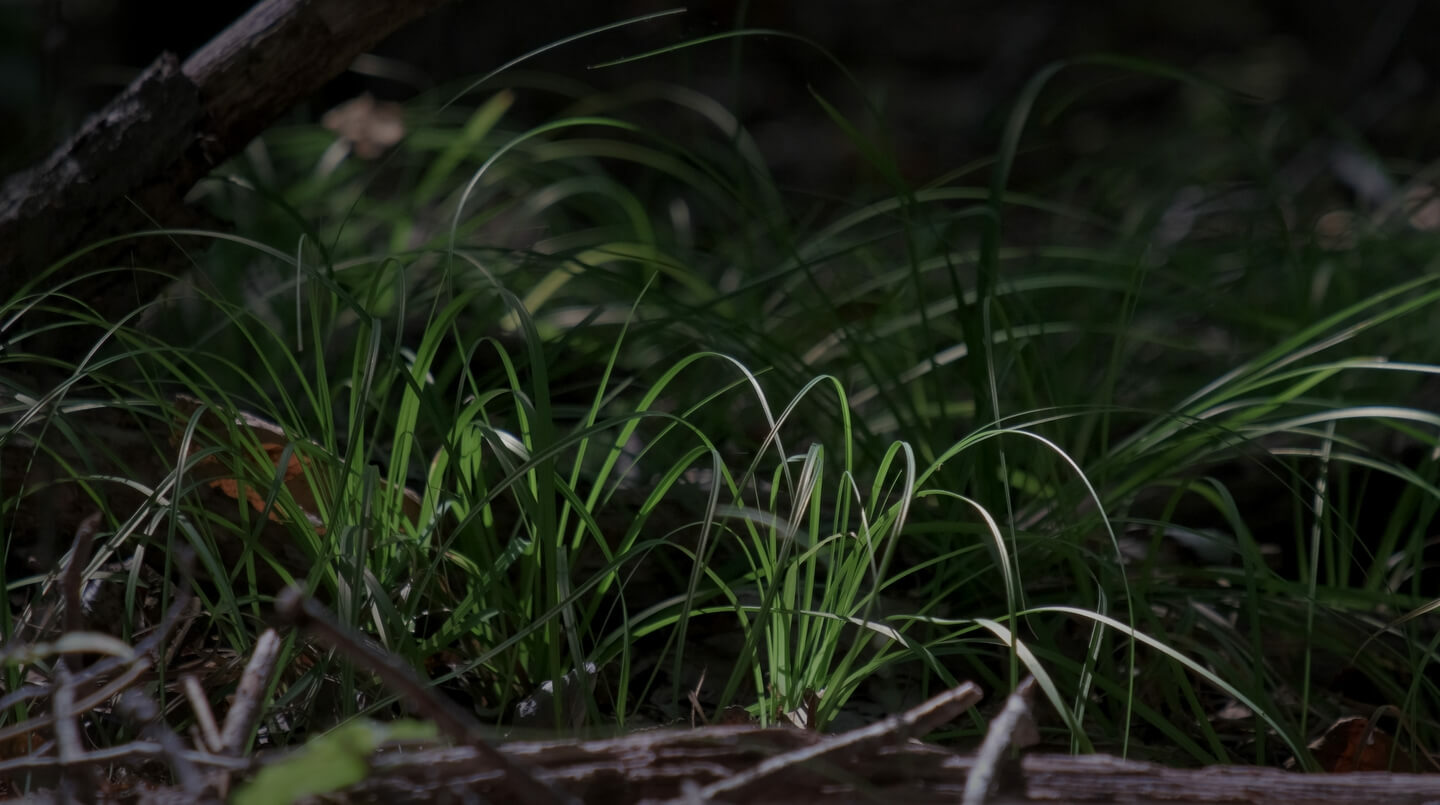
<point>663,414</point>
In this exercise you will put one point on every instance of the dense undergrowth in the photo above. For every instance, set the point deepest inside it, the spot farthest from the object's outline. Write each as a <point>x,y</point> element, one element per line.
<point>1131,423</point>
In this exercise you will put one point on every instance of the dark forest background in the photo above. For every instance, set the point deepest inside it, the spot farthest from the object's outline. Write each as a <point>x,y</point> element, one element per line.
<point>944,72</point>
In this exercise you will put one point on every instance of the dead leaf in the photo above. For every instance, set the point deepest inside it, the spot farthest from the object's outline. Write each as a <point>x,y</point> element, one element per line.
<point>370,126</point>
<point>1357,744</point>
<point>274,441</point>
<point>804,716</point>
<point>1234,711</point>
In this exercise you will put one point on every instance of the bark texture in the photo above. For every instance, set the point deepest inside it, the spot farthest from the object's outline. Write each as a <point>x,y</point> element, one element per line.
<point>130,166</point>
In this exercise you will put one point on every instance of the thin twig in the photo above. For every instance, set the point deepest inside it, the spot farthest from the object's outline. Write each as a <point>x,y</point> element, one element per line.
<point>122,752</point>
<point>694,696</point>
<point>247,703</point>
<point>204,716</point>
<point>62,713</point>
<point>147,647</point>
<point>28,693</point>
<point>914,722</point>
<point>74,575</point>
<point>75,781</point>
<point>140,708</point>
<point>1003,732</point>
<point>139,661</point>
<point>186,621</point>
<point>254,682</point>
<point>294,607</point>
<point>111,688</point>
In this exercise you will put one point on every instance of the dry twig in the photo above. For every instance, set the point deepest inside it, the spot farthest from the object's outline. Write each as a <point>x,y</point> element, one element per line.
<point>245,709</point>
<point>897,728</point>
<point>294,607</point>
<point>1006,730</point>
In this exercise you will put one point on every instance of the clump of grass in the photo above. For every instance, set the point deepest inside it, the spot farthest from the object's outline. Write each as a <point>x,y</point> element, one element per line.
<point>1029,431</point>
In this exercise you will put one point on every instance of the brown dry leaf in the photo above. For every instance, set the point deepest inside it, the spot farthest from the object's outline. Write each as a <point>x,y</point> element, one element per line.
<point>16,747</point>
<point>1356,744</point>
<point>273,440</point>
<point>370,126</point>
<point>21,745</point>
<point>804,717</point>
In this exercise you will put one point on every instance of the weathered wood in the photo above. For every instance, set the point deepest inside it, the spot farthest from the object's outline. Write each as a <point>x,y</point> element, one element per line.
<point>131,164</point>
<point>662,765</point>
<point>878,762</point>
<point>1103,778</point>
<point>77,196</point>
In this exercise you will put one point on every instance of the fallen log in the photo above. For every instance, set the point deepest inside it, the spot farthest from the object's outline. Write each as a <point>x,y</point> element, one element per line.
<point>663,765</point>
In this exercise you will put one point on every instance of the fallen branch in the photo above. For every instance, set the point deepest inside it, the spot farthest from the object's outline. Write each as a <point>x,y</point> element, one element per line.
<point>843,750</point>
<point>131,164</point>
<point>880,762</point>
<point>676,765</point>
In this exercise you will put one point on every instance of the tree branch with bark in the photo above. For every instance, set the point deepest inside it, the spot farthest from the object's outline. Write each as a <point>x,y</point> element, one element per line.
<point>131,164</point>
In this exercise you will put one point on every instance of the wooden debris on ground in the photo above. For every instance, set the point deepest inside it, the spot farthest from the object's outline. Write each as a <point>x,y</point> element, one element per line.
<point>880,762</point>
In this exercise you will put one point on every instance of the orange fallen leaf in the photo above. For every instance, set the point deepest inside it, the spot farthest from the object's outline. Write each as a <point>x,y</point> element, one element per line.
<point>274,441</point>
<point>1357,744</point>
